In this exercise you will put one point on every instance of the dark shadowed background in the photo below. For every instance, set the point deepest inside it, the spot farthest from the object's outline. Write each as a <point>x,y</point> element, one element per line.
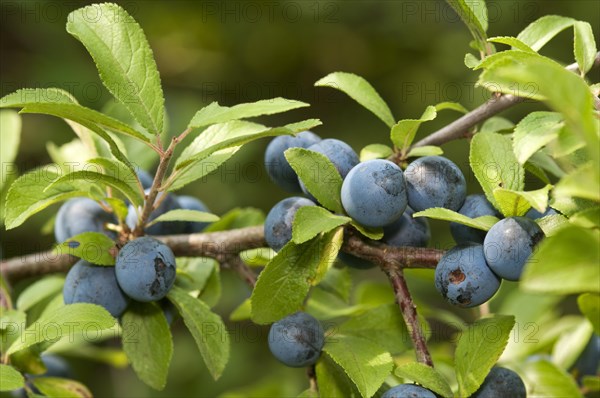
<point>241,51</point>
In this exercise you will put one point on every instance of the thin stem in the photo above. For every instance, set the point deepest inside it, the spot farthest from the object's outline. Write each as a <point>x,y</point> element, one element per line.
<point>460,127</point>
<point>156,183</point>
<point>409,312</point>
<point>312,378</point>
<point>392,260</point>
<point>175,173</point>
<point>235,263</point>
<point>484,309</point>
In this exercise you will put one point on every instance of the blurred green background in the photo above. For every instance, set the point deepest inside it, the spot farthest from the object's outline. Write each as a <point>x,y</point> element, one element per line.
<point>241,51</point>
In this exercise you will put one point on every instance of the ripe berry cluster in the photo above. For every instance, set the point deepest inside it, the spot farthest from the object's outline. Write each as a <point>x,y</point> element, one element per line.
<point>374,194</point>
<point>378,193</point>
<point>145,267</point>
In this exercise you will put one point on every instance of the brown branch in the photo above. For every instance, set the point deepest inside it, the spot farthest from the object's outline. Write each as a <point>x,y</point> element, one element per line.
<point>218,245</point>
<point>460,127</point>
<point>409,312</point>
<point>236,264</point>
<point>392,261</point>
<point>381,254</point>
<point>224,246</point>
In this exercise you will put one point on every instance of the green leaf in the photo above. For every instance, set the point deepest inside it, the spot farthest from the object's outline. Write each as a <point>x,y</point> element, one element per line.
<point>93,247</point>
<point>10,136</point>
<point>512,41</point>
<point>232,134</point>
<point>427,150</point>
<point>238,218</point>
<point>115,146</point>
<point>375,151</point>
<point>211,291</point>
<point>537,77</point>
<point>242,312</point>
<point>474,15</point>
<point>69,157</point>
<point>207,328</point>
<point>535,131</point>
<point>215,113</point>
<point>64,321</point>
<point>403,133</point>
<point>5,299</point>
<point>589,218</point>
<point>148,343</point>
<point>471,61</point>
<point>583,182</point>
<point>426,376</point>
<point>122,172</point>
<point>185,215</point>
<point>552,223</point>
<point>310,221</point>
<point>454,106</point>
<point>325,305</point>
<point>571,344</point>
<point>193,273</point>
<point>585,46</point>
<point>383,325</point>
<point>258,257</point>
<point>39,291</point>
<point>137,150</point>
<point>566,143</point>
<point>332,242</point>
<point>370,232</point>
<point>124,60</point>
<point>284,283</point>
<point>360,91</point>
<point>545,162</point>
<point>28,194</point>
<point>319,175</point>
<point>59,103</point>
<point>546,271</point>
<point>118,206</point>
<point>337,281</point>
<point>86,137</point>
<point>332,381</point>
<point>11,325</point>
<point>542,30</point>
<point>200,276</point>
<point>547,380</point>
<point>495,165</point>
<point>589,305</point>
<point>29,96</point>
<point>116,182</point>
<point>496,124</point>
<point>478,349</point>
<point>517,203</point>
<point>10,378</point>
<point>59,387</point>
<point>202,168</point>
<point>483,223</point>
<point>352,354</point>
